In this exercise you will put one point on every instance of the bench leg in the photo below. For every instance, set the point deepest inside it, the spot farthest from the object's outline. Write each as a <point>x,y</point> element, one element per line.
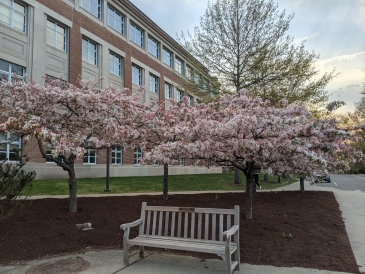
<point>141,252</point>
<point>125,255</point>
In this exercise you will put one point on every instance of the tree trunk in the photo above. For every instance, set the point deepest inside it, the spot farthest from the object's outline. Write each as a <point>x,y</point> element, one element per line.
<point>279,180</point>
<point>72,203</point>
<point>237,178</point>
<point>256,180</point>
<point>165,181</point>
<point>301,184</point>
<point>250,184</point>
<point>266,177</point>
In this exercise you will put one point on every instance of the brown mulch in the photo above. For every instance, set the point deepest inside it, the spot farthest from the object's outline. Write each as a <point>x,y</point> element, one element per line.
<point>41,228</point>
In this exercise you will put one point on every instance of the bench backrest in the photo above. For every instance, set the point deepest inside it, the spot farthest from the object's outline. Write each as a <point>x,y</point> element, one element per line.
<point>187,222</point>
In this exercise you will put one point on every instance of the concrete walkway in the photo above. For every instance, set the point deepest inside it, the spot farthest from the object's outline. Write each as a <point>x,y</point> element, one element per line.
<point>352,205</point>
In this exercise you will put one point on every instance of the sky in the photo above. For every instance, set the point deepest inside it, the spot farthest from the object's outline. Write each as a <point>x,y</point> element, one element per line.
<point>333,29</point>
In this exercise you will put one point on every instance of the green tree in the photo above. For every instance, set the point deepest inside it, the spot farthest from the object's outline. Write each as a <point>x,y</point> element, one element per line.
<point>244,43</point>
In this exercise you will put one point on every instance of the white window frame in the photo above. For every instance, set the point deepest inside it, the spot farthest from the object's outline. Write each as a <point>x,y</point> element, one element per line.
<point>88,155</point>
<point>153,83</point>
<point>137,154</point>
<point>179,65</point>
<point>168,91</point>
<point>181,161</point>
<point>56,34</point>
<point>13,14</point>
<point>10,70</point>
<point>115,20</point>
<point>190,73</point>
<point>89,6</point>
<point>117,155</point>
<point>191,100</point>
<point>179,95</point>
<point>136,35</point>
<point>91,56</point>
<point>48,153</point>
<point>115,64</point>
<point>8,142</point>
<point>136,75</point>
<point>153,47</point>
<point>167,57</point>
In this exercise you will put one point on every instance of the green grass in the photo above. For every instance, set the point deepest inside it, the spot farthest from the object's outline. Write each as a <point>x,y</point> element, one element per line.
<point>194,182</point>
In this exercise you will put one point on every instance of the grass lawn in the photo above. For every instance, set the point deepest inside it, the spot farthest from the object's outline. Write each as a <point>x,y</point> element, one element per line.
<point>194,182</point>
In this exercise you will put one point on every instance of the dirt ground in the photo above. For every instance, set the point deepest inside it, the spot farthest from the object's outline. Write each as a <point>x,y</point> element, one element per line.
<point>44,228</point>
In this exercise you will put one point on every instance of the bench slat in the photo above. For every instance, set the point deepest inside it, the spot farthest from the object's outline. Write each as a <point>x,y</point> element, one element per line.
<point>160,224</point>
<point>186,225</point>
<point>192,231</point>
<point>199,225</point>
<point>154,223</point>
<point>213,225</point>
<point>167,223</point>
<point>221,227</point>
<point>148,222</point>
<point>228,222</point>
<point>173,225</point>
<point>193,209</point>
<point>206,226</point>
<point>182,244</point>
<point>179,225</point>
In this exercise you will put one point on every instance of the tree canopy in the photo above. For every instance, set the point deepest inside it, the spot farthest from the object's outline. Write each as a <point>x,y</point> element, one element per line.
<point>244,43</point>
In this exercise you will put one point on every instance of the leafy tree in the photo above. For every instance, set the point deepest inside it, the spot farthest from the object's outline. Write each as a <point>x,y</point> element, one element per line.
<point>244,44</point>
<point>69,120</point>
<point>248,133</point>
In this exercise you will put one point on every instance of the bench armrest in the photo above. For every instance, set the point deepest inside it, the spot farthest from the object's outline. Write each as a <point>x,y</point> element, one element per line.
<point>135,223</point>
<point>230,232</point>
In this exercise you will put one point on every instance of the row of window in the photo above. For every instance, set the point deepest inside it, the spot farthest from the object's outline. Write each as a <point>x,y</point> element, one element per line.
<point>10,146</point>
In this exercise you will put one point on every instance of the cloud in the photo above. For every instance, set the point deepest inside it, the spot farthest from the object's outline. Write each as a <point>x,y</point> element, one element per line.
<point>301,39</point>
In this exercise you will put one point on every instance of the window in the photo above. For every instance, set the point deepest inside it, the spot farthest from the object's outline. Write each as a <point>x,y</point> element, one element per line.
<point>153,84</point>
<point>56,35</point>
<point>191,100</point>
<point>115,20</point>
<point>117,155</point>
<point>190,73</point>
<point>13,14</point>
<point>153,47</point>
<point>92,6</point>
<point>156,163</point>
<point>167,57</point>
<point>9,147</point>
<point>168,91</point>
<point>180,95</point>
<point>137,155</point>
<point>90,156</point>
<point>136,35</point>
<point>136,75</point>
<point>179,66</point>
<point>49,153</point>
<point>7,69</point>
<point>89,51</point>
<point>198,80</point>
<point>115,64</point>
<point>181,161</point>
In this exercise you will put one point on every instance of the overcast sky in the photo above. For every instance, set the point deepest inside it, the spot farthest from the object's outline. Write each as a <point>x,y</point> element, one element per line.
<point>334,29</point>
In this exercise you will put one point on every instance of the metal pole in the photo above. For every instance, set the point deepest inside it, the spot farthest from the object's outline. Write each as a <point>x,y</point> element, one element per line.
<point>107,169</point>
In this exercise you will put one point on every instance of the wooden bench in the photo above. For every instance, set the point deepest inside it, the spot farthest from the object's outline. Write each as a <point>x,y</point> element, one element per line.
<point>207,230</point>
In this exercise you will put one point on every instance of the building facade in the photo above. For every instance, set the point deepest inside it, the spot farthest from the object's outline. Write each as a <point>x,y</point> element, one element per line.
<point>91,39</point>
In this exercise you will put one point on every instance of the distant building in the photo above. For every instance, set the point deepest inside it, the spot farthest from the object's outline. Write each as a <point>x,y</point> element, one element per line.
<point>95,38</point>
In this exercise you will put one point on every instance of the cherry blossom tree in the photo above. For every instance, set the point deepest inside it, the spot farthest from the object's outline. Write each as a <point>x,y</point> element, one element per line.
<point>251,135</point>
<point>159,120</point>
<point>70,119</point>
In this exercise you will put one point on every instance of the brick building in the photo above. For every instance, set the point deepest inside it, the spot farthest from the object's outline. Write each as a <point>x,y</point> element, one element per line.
<point>94,38</point>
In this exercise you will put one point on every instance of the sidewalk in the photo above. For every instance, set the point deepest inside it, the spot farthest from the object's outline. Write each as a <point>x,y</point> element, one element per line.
<point>352,205</point>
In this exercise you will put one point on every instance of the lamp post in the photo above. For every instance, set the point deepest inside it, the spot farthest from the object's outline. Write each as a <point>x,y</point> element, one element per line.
<point>107,189</point>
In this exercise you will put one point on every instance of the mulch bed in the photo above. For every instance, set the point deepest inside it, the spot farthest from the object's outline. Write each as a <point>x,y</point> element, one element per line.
<point>41,228</point>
